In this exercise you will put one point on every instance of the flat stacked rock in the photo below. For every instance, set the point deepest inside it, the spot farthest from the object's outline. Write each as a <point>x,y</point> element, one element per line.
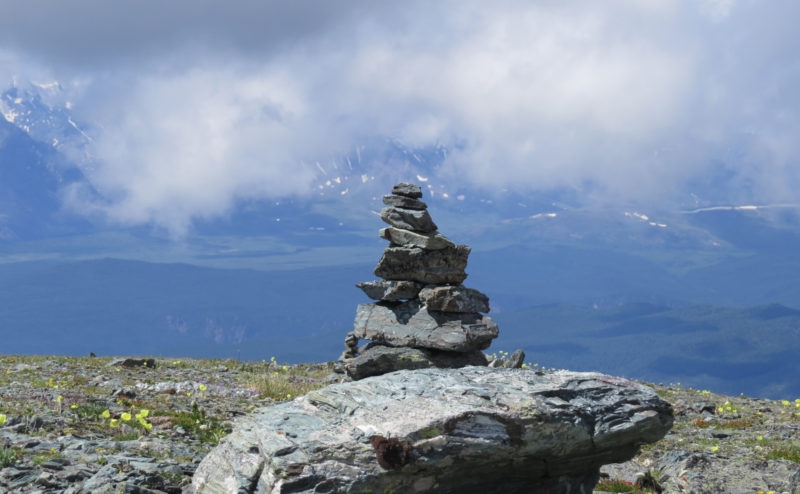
<point>423,317</point>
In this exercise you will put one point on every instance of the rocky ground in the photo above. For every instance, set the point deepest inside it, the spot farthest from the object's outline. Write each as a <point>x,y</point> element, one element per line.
<point>138,425</point>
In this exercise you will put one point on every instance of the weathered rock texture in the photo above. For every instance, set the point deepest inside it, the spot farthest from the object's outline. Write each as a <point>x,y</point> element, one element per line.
<point>473,429</point>
<point>421,302</point>
<point>412,325</point>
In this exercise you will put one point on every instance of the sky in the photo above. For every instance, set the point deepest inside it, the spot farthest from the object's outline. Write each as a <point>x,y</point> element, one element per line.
<point>195,105</point>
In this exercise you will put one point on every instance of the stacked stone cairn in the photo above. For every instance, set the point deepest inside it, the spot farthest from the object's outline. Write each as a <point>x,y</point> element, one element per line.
<point>424,316</point>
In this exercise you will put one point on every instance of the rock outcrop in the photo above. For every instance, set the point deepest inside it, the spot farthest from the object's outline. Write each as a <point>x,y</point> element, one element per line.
<point>473,429</point>
<point>424,316</point>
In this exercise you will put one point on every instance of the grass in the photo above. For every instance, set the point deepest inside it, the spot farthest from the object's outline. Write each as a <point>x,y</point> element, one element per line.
<point>791,453</point>
<point>745,421</point>
<point>281,382</point>
<point>67,387</point>
<point>616,485</point>
<point>8,457</point>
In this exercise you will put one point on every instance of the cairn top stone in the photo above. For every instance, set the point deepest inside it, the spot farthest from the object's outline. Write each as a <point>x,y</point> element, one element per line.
<point>407,190</point>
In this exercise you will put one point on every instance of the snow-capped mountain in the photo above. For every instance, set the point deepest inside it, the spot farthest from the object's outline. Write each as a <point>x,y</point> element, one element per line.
<point>44,149</point>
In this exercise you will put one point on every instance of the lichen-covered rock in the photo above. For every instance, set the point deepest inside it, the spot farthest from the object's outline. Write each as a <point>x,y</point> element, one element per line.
<point>409,324</point>
<point>473,429</point>
<point>425,266</point>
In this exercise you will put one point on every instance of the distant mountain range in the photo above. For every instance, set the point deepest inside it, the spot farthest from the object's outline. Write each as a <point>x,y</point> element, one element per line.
<point>705,295</point>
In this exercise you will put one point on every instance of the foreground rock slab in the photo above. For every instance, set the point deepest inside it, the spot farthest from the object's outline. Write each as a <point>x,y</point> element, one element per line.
<point>473,429</point>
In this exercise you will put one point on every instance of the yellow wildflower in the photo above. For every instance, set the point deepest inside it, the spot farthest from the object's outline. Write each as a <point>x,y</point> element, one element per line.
<point>106,414</point>
<point>126,417</point>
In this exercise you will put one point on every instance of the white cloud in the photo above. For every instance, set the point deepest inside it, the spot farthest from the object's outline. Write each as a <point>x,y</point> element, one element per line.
<point>635,97</point>
<point>188,145</point>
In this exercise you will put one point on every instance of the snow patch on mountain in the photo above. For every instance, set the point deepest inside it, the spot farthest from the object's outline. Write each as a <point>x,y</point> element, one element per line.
<point>644,218</point>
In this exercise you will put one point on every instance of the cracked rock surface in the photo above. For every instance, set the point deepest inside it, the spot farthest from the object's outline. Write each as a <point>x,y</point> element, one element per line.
<point>440,430</point>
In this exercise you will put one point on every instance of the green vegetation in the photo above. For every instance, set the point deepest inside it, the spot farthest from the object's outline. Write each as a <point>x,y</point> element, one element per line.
<point>8,457</point>
<point>616,485</point>
<point>283,382</point>
<point>790,453</point>
<point>88,409</point>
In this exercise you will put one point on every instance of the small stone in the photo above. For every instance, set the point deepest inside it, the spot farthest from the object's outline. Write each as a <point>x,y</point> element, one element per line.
<point>134,362</point>
<point>390,290</point>
<point>409,219</point>
<point>407,238</point>
<point>407,190</point>
<point>404,202</point>
<point>454,299</point>
<point>516,360</point>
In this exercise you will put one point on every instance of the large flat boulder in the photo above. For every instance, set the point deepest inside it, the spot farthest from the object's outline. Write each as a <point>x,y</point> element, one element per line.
<point>473,429</point>
<point>411,325</point>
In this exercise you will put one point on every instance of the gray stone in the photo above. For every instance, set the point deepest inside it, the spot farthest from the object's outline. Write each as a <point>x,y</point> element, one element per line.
<point>134,362</point>
<point>409,324</point>
<point>406,189</point>
<point>473,429</point>
<point>409,219</point>
<point>426,266</point>
<point>394,290</point>
<point>404,202</point>
<point>456,298</point>
<point>375,360</point>
<point>407,238</point>
<point>516,359</point>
